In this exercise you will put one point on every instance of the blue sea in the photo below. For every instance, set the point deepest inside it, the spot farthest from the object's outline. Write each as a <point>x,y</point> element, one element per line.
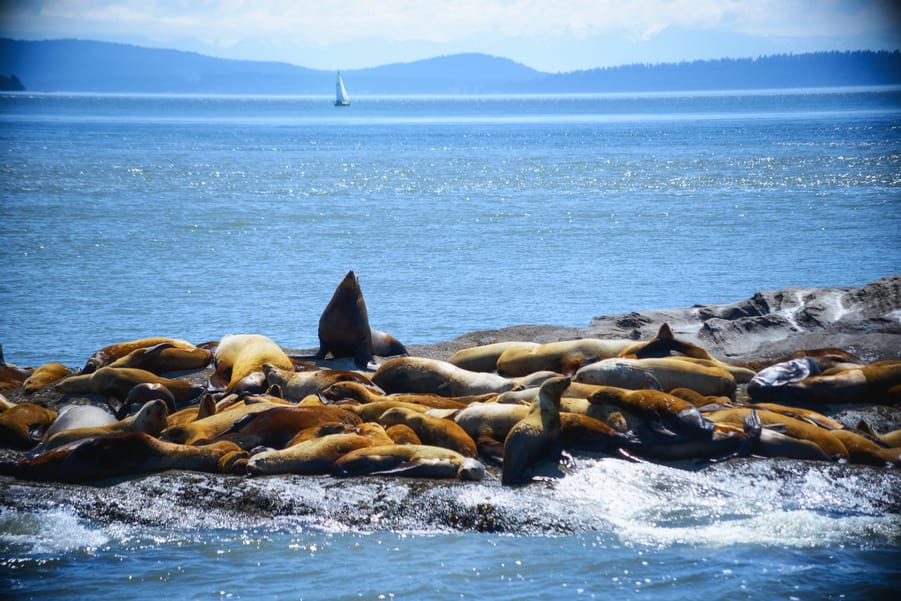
<point>127,216</point>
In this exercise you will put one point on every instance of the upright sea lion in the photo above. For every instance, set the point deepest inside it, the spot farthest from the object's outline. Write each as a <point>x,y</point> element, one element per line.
<point>564,357</point>
<point>23,425</point>
<point>484,358</point>
<point>413,461</point>
<point>671,373</point>
<point>536,438</point>
<point>111,353</point>
<point>422,375</point>
<point>150,419</point>
<point>432,430</point>
<point>125,454</point>
<point>344,325</point>
<point>352,390</point>
<point>300,384</point>
<point>117,382</point>
<point>165,357</point>
<point>239,355</point>
<point>45,375</point>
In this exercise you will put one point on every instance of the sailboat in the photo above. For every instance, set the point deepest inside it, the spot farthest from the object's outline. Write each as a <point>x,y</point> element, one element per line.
<point>341,97</point>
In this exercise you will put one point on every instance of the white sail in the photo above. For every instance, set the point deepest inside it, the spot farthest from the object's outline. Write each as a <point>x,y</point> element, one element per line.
<point>341,97</point>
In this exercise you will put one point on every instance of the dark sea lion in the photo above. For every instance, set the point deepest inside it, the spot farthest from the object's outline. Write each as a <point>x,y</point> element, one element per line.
<point>144,392</point>
<point>117,382</point>
<point>165,357</point>
<point>386,345</point>
<point>412,461</point>
<point>352,390</point>
<point>536,438</point>
<point>432,430</point>
<point>344,329</point>
<point>300,384</point>
<point>113,352</point>
<point>150,419</point>
<point>876,383</point>
<point>239,355</point>
<point>125,454</point>
<point>23,425</point>
<point>43,376</point>
<point>275,426</point>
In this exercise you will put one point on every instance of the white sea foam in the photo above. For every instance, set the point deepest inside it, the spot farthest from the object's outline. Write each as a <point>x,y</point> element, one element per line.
<point>47,532</point>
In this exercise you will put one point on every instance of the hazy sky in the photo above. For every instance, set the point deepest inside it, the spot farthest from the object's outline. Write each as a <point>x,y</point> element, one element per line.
<point>549,35</point>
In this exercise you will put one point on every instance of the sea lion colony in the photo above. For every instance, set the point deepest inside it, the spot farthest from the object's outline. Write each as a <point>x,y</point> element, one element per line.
<point>523,409</point>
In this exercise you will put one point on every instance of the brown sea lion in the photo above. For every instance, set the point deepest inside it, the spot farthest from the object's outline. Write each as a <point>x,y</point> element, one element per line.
<point>276,426</point>
<point>402,434</point>
<point>300,384</point>
<point>432,430</point>
<point>536,438</point>
<point>890,439</point>
<point>654,416</point>
<point>432,376</point>
<point>125,454</point>
<point>344,329</point>
<point>239,355</point>
<point>43,376</point>
<point>825,358</point>
<point>671,372</point>
<point>23,425</point>
<point>371,412</point>
<point>117,382</point>
<point>386,345</point>
<point>412,461</point>
<point>484,357</point>
<point>878,382</point>
<point>213,425</point>
<point>140,394</point>
<point>111,353</point>
<point>563,357</point>
<point>11,376</point>
<point>150,419</point>
<point>863,451</point>
<point>165,357</point>
<point>205,408</point>
<point>352,390</point>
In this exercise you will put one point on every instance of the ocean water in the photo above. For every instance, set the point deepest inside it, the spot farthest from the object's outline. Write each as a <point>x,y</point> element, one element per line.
<point>197,216</point>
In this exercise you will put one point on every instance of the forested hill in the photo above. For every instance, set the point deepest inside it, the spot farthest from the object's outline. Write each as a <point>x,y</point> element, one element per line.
<point>86,66</point>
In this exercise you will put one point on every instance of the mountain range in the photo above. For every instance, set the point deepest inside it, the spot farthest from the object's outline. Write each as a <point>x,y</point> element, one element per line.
<point>90,66</point>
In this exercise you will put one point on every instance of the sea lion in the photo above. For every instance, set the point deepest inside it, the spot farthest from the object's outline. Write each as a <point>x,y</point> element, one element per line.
<point>117,382</point>
<point>878,382</point>
<point>315,455</point>
<point>371,412</point>
<point>108,354</point>
<point>664,344</point>
<point>654,416</point>
<point>11,376</point>
<point>412,461</point>
<point>344,329</point>
<point>213,425</point>
<point>825,358</point>
<point>670,372</point>
<point>150,419</point>
<point>863,451</point>
<point>386,345</point>
<point>581,433</point>
<point>890,439</point>
<point>165,357</point>
<point>125,454</point>
<point>23,425</point>
<point>275,426</point>
<point>484,357</point>
<point>536,438</point>
<point>44,376</point>
<point>352,390</point>
<point>563,357</point>
<point>490,420</point>
<point>205,408</point>
<point>422,375</point>
<point>140,394</point>
<point>432,430</point>
<point>300,384</point>
<point>402,434</point>
<point>621,373</point>
<point>239,355</point>
<point>79,416</point>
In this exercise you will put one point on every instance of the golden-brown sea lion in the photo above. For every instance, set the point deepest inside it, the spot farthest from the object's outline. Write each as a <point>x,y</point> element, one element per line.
<point>889,439</point>
<point>795,428</point>
<point>239,355</point>
<point>432,430</point>
<point>402,434</point>
<point>490,420</point>
<point>671,372</point>
<point>371,412</point>
<point>150,419</point>
<point>352,390</point>
<point>315,455</point>
<point>276,426</point>
<point>654,416</point>
<point>111,353</point>
<point>864,451</point>
<point>117,382</point>
<point>165,357</point>
<point>205,408</point>
<point>874,383</point>
<point>210,427</point>
<point>11,376</point>
<point>300,384</point>
<point>815,418</point>
<point>125,454</point>
<point>536,438</point>
<point>43,376</point>
<point>413,461</point>
<point>564,357</point>
<point>484,358</point>
<point>23,425</point>
<point>422,375</point>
